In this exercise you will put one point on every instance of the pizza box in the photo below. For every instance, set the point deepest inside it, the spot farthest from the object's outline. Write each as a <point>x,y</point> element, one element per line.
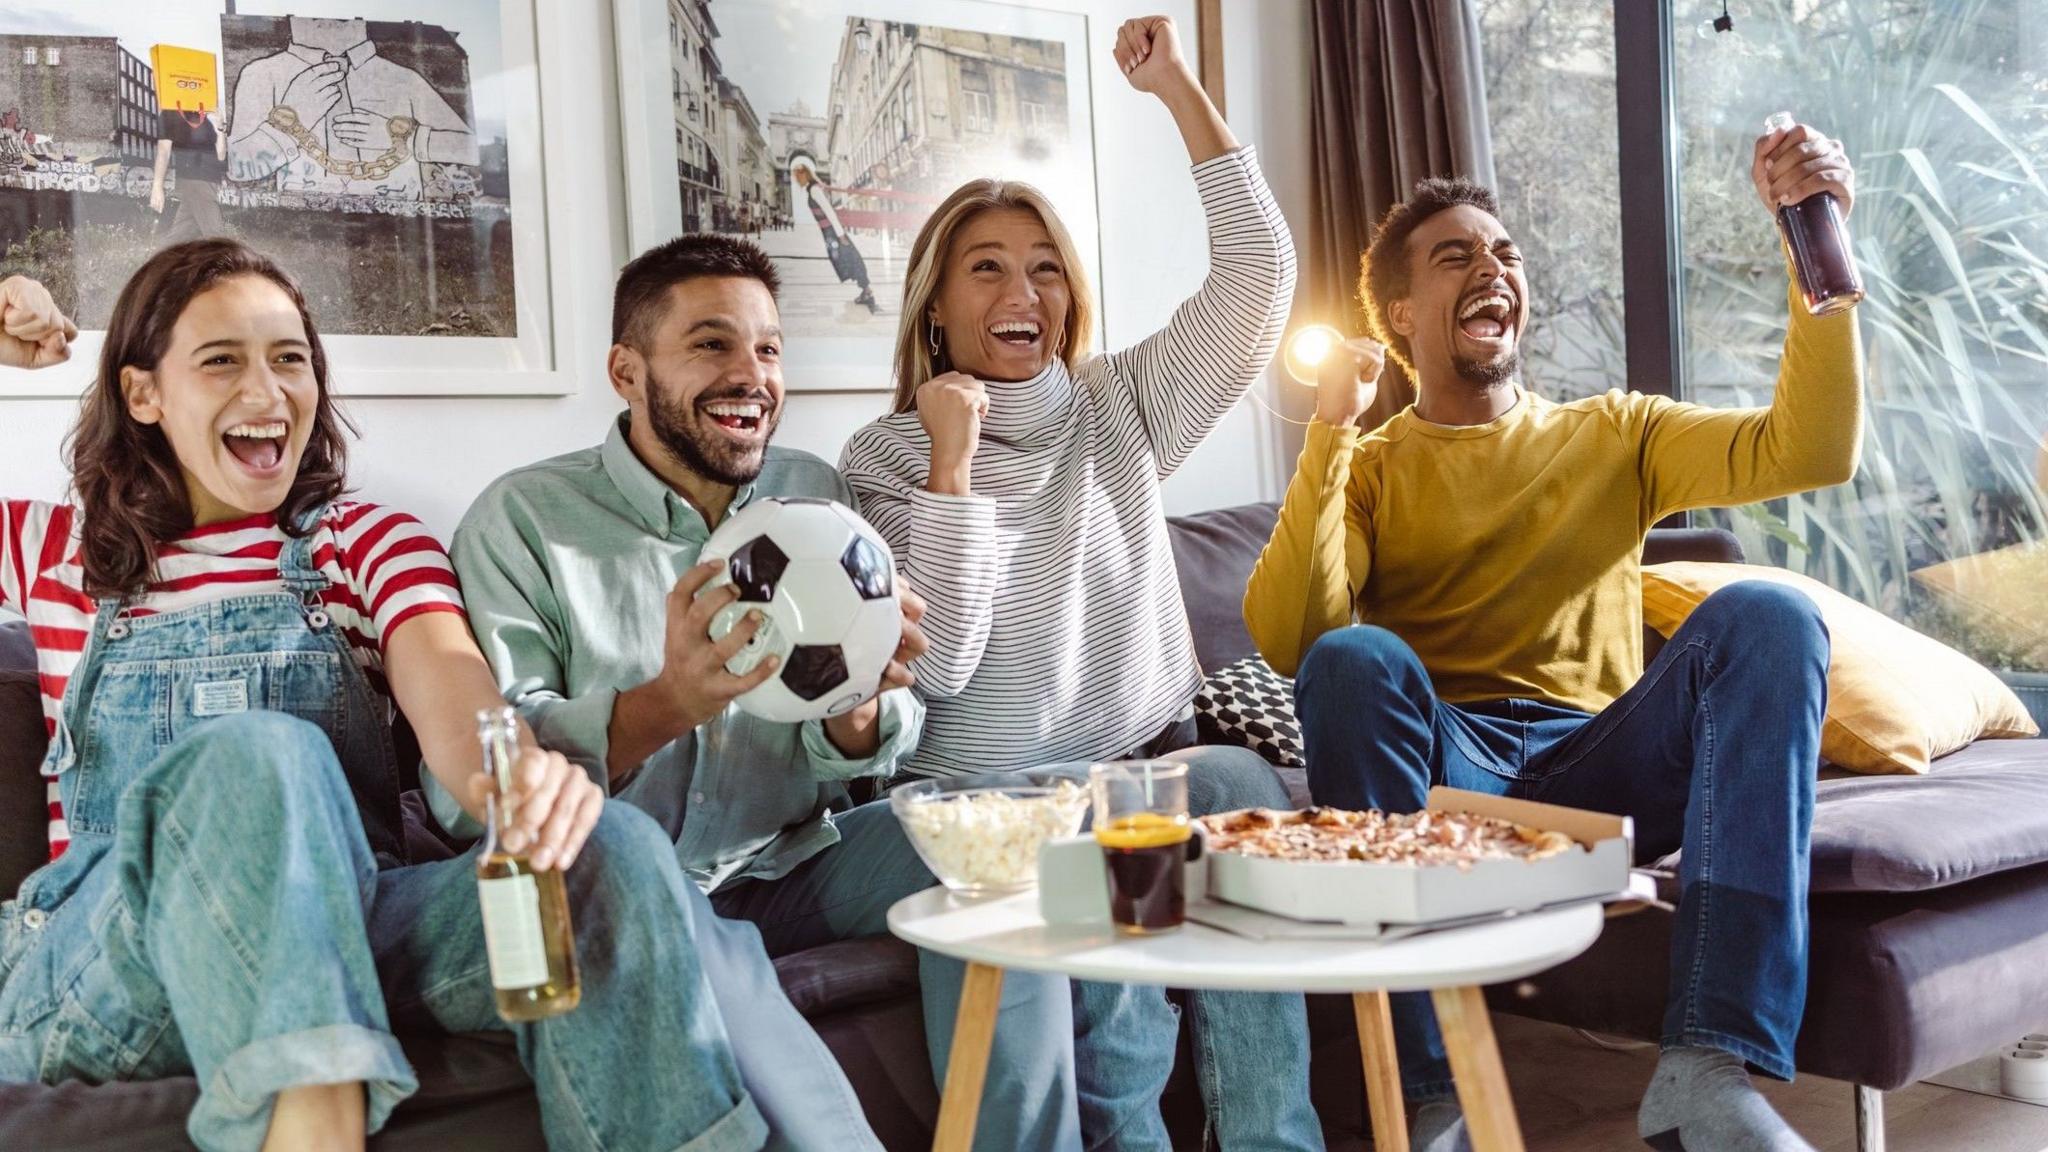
<point>1354,892</point>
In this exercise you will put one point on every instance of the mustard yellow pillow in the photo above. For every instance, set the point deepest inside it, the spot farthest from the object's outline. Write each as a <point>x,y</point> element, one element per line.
<point>1896,699</point>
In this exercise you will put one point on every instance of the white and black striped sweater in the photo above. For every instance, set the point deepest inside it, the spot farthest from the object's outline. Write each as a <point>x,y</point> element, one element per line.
<point>1054,613</point>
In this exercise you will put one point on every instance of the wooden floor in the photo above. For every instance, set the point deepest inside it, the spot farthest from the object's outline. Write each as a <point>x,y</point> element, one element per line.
<point>1574,1096</point>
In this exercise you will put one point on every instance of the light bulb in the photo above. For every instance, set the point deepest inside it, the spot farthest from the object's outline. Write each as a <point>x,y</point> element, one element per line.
<point>1308,348</point>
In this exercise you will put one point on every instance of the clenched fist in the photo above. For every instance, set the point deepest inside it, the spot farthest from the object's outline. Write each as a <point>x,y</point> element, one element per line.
<point>1148,53</point>
<point>951,407</point>
<point>33,333</point>
<point>1789,166</point>
<point>1347,381</point>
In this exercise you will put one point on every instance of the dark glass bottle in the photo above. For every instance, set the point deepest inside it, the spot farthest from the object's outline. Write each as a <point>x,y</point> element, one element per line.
<point>1818,244</point>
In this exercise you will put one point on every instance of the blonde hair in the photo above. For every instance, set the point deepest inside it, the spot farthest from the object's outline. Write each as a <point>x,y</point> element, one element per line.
<point>915,362</point>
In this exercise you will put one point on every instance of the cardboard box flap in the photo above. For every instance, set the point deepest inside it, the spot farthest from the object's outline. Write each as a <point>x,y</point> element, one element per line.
<point>1588,828</point>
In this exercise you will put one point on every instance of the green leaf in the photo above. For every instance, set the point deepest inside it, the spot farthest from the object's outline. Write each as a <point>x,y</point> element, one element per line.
<point>1916,160</point>
<point>1961,99</point>
<point>1995,174</point>
<point>1946,245</point>
<point>1958,358</point>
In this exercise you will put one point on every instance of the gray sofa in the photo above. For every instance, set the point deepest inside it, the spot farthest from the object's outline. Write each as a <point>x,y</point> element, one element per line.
<point>1931,898</point>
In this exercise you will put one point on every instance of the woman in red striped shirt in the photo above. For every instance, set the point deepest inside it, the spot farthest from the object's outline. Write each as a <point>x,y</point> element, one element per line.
<point>221,640</point>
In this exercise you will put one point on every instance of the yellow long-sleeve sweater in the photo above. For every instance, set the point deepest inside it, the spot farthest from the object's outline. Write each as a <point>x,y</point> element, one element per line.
<point>1508,555</point>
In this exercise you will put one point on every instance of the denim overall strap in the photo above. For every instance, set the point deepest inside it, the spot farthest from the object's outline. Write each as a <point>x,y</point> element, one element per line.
<point>364,746</point>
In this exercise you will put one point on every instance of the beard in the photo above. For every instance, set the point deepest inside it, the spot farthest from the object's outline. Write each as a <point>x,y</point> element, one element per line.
<point>1491,372</point>
<point>699,445</point>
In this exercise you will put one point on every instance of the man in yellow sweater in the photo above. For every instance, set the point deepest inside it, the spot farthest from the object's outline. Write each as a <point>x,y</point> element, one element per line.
<point>1458,593</point>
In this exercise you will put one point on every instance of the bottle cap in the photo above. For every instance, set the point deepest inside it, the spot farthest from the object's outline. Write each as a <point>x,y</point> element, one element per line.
<point>489,720</point>
<point>1779,122</point>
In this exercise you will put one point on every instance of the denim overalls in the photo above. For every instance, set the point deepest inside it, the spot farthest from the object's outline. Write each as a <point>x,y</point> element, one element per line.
<point>176,837</point>
<point>233,906</point>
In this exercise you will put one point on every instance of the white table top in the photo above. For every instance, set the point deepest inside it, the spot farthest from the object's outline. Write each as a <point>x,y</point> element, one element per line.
<point>1007,932</point>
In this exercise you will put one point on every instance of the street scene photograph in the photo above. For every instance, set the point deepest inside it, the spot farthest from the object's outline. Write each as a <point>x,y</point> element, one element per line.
<point>828,131</point>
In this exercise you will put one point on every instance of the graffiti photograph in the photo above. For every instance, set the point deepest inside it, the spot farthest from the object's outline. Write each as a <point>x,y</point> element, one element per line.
<point>363,143</point>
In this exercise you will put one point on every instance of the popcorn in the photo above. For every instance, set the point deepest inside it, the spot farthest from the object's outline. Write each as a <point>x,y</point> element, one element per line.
<point>987,839</point>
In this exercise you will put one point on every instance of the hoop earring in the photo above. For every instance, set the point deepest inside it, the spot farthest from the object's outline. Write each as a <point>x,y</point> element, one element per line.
<point>934,331</point>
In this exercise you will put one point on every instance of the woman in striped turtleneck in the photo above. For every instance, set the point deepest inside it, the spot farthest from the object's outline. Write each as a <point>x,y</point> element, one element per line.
<point>1018,481</point>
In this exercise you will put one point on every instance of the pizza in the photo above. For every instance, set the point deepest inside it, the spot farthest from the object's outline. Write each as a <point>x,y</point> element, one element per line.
<point>1460,839</point>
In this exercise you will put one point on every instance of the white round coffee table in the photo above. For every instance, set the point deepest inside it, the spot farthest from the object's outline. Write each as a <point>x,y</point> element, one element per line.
<point>1007,932</point>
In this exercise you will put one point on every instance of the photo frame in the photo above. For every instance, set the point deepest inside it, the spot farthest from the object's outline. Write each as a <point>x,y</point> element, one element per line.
<point>827,130</point>
<point>389,154</point>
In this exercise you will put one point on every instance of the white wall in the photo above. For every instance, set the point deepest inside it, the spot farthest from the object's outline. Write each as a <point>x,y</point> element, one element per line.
<point>431,456</point>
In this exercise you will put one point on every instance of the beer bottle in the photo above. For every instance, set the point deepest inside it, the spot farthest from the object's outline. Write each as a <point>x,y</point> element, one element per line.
<point>526,912</point>
<point>1818,244</point>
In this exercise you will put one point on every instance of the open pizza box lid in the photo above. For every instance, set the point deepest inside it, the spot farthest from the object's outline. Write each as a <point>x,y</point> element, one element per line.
<point>1359,893</point>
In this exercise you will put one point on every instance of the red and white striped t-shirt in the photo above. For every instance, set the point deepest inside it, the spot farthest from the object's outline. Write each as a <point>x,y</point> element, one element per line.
<point>382,567</point>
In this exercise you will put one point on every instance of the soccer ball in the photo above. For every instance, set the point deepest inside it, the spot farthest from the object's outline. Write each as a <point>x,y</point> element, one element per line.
<point>825,584</point>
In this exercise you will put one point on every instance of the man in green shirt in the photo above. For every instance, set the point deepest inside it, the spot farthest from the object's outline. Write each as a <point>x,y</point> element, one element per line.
<point>581,577</point>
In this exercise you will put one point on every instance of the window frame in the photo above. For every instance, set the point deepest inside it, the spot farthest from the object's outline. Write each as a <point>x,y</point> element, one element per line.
<point>1652,259</point>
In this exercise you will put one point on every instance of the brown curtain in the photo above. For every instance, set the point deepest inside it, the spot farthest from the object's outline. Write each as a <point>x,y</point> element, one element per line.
<point>1398,94</point>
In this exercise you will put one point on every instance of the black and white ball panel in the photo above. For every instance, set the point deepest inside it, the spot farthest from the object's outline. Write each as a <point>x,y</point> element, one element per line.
<point>824,582</point>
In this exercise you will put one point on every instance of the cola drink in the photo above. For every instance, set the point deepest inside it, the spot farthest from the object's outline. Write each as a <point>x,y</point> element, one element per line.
<point>1818,244</point>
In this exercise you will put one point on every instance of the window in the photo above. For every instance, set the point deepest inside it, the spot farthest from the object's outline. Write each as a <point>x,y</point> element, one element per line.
<point>676,85</point>
<point>28,55</point>
<point>981,111</point>
<point>675,32</point>
<point>52,57</point>
<point>1035,116</point>
<point>1550,98</point>
<point>1940,103</point>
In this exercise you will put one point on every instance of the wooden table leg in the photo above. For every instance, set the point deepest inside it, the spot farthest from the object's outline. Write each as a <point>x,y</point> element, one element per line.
<point>974,1030</point>
<point>1475,1065</point>
<point>1382,1070</point>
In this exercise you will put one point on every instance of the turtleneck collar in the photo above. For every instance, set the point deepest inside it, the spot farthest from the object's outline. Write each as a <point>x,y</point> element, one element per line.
<point>1027,413</point>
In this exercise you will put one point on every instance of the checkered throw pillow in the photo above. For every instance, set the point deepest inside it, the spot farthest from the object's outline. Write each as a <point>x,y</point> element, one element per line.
<point>1251,706</point>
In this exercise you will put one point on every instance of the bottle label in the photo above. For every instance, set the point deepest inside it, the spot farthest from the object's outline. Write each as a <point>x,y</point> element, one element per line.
<point>512,932</point>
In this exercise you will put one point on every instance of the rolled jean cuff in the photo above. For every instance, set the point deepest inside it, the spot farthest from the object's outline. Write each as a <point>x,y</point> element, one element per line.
<point>740,1130</point>
<point>1773,1064</point>
<point>234,1106</point>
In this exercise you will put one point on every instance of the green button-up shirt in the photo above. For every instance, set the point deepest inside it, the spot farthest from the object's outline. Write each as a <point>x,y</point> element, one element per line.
<point>566,567</point>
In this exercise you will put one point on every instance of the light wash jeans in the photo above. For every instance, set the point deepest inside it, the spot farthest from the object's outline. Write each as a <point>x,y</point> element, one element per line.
<point>225,771</point>
<point>239,930</point>
<point>1713,750</point>
<point>1028,1102</point>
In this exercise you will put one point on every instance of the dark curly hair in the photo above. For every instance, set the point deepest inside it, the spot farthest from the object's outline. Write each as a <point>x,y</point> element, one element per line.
<point>131,491</point>
<point>1383,269</point>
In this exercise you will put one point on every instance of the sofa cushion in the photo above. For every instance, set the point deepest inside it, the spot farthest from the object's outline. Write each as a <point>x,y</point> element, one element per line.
<point>1215,552</point>
<point>473,1095</point>
<point>1979,811</point>
<point>847,974</point>
<point>1899,986</point>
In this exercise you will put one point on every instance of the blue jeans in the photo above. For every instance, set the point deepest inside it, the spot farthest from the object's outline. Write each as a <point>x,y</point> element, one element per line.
<point>237,927</point>
<point>1251,1048</point>
<point>845,892</point>
<point>1713,751</point>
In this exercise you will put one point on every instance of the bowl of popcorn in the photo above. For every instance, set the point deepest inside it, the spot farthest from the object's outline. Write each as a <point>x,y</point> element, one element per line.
<point>980,834</point>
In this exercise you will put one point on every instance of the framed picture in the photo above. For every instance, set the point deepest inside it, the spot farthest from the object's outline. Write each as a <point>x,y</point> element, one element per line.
<point>387,153</point>
<point>828,130</point>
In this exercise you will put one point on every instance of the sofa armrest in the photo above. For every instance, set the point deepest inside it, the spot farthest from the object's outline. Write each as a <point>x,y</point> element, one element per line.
<point>1706,545</point>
